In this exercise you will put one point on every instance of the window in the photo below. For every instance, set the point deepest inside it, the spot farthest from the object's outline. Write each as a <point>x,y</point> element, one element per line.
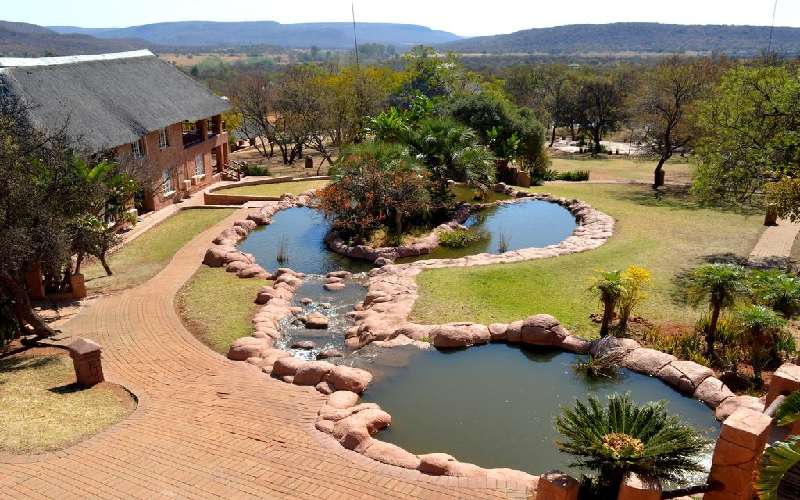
<point>163,139</point>
<point>166,181</point>
<point>199,165</point>
<point>137,149</point>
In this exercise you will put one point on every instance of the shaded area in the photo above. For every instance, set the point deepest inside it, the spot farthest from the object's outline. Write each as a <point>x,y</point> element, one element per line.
<point>494,405</point>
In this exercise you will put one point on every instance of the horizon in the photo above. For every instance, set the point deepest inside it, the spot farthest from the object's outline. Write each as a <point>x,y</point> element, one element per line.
<point>473,19</point>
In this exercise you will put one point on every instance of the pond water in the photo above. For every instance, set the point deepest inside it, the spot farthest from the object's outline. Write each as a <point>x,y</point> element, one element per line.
<point>303,231</point>
<point>526,224</point>
<point>494,405</point>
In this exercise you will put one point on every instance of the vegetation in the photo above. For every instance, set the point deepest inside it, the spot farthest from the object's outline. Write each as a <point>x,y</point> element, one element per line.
<point>776,461</point>
<point>604,366</point>
<point>764,338</point>
<point>44,411</point>
<point>621,437</point>
<point>277,190</point>
<point>608,285</point>
<point>461,238</point>
<point>213,290</point>
<point>777,290</point>
<point>147,255</point>
<point>788,411</point>
<point>623,169</point>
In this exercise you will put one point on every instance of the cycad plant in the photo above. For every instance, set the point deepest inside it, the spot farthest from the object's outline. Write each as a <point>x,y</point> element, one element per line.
<point>776,461</point>
<point>621,437</point>
<point>720,285</point>
<point>788,411</point>
<point>609,286</point>
<point>777,290</point>
<point>761,330</point>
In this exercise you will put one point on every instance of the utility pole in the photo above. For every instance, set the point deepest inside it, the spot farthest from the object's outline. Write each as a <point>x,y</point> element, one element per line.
<point>355,34</point>
<point>772,27</point>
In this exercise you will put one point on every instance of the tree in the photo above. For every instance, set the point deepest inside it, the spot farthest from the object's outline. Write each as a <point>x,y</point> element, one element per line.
<point>635,281</point>
<point>762,330</point>
<point>253,96</point>
<point>720,285</point>
<point>665,102</point>
<point>375,184</point>
<point>609,286</point>
<point>751,138</point>
<point>622,438</point>
<point>602,101</point>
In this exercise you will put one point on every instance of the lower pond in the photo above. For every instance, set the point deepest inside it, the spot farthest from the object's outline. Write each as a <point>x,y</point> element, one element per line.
<point>495,405</point>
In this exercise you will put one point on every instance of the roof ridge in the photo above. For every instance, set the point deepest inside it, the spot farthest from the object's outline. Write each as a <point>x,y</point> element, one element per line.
<point>20,62</point>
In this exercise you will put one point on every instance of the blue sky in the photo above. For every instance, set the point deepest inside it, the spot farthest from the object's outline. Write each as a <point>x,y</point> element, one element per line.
<point>464,17</point>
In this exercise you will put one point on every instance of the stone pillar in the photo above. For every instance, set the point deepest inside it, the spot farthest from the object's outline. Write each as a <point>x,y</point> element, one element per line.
<point>216,124</point>
<point>202,129</point>
<point>735,461</point>
<point>78,284</point>
<point>34,283</point>
<point>86,358</point>
<point>309,162</point>
<point>771,218</point>
<point>636,487</point>
<point>785,381</point>
<point>556,485</point>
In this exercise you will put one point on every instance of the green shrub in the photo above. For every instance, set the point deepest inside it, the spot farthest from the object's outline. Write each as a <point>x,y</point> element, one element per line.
<point>461,238</point>
<point>255,170</point>
<point>573,176</point>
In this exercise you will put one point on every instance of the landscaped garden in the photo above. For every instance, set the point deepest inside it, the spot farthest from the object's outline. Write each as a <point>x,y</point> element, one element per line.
<point>678,171</point>
<point>275,190</point>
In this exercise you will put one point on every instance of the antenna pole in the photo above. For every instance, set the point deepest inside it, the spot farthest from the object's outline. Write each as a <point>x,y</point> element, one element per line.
<point>355,34</point>
<point>772,28</point>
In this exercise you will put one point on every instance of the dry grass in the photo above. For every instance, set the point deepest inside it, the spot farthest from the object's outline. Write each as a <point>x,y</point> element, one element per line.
<point>217,306</point>
<point>276,189</point>
<point>147,255</point>
<point>625,169</point>
<point>42,410</point>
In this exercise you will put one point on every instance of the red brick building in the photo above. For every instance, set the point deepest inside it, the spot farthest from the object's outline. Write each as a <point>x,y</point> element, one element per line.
<point>132,106</point>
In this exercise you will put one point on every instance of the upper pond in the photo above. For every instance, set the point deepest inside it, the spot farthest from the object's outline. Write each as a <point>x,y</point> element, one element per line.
<point>495,405</point>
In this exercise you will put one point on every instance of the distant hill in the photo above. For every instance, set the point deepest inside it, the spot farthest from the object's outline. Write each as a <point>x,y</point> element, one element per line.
<point>30,40</point>
<point>322,35</point>
<point>620,38</point>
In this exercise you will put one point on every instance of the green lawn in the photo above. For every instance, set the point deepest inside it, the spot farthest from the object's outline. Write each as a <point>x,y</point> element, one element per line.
<point>625,169</point>
<point>148,254</point>
<point>276,189</point>
<point>42,409</point>
<point>666,236</point>
<point>217,306</point>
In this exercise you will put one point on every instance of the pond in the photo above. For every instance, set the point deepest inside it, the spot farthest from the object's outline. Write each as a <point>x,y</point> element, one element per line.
<point>526,224</point>
<point>302,230</point>
<point>494,405</point>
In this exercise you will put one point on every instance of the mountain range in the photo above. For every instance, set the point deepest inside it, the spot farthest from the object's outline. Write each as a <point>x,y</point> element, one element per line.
<point>304,35</point>
<point>635,38</point>
<point>30,40</point>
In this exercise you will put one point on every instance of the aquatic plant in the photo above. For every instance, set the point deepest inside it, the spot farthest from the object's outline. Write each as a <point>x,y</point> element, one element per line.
<point>503,243</point>
<point>461,238</point>
<point>283,251</point>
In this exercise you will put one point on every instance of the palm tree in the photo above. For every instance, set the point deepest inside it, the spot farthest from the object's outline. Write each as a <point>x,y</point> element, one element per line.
<point>720,285</point>
<point>776,461</point>
<point>609,285</point>
<point>778,290</point>
<point>761,329</point>
<point>621,438</point>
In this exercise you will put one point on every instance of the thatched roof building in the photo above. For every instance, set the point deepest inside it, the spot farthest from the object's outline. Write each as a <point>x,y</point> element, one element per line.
<point>107,100</point>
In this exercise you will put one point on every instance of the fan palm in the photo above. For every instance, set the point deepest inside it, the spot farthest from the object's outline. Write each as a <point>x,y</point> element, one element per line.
<point>761,329</point>
<point>776,461</point>
<point>609,285</point>
<point>621,437</point>
<point>720,285</point>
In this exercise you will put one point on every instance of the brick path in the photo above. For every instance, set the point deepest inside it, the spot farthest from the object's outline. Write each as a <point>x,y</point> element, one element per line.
<point>205,427</point>
<point>776,241</point>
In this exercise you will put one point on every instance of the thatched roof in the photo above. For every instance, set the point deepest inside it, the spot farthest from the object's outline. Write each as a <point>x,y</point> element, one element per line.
<point>107,100</point>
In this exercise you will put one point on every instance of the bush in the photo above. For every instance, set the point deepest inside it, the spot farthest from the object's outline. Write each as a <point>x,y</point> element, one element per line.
<point>574,176</point>
<point>461,238</point>
<point>255,170</point>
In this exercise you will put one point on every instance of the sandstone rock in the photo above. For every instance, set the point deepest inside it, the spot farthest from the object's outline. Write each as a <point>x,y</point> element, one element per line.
<point>330,413</point>
<point>287,378</point>
<point>259,218</point>
<point>247,224</point>
<point>215,256</point>
<point>306,301</point>
<point>604,346</point>
<point>435,464</point>
<point>542,329</point>
<point>647,361</point>
<point>263,297</point>
<point>712,392</point>
<point>334,279</point>
<point>252,271</point>
<point>572,343</point>
<point>498,331</point>
<point>356,430</point>
<point>305,345</point>
<point>236,266</point>
<point>343,399</point>
<point>415,332</point>
<point>312,373</point>
<point>511,475</point>
<point>325,305</point>
<point>391,454</point>
<point>324,388</point>
<point>248,347</point>
<point>345,378</point>
<point>330,353</point>
<point>287,366</point>
<point>514,332</point>
<point>730,405</point>
<point>334,287</point>
<point>382,261</point>
<point>339,274</point>
<point>459,335</point>
<point>686,376</point>
<point>315,321</point>
<point>325,426</point>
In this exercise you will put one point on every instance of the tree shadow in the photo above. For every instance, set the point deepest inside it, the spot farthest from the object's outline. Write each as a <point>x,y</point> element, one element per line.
<point>68,388</point>
<point>14,364</point>
<point>679,198</point>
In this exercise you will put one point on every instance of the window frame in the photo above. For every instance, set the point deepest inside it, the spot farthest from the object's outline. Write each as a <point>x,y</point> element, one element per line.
<point>138,149</point>
<point>163,139</point>
<point>167,182</point>
<point>200,168</point>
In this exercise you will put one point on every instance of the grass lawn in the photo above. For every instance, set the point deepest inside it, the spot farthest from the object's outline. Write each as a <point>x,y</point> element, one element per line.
<point>148,254</point>
<point>217,306</point>
<point>41,410</point>
<point>276,189</point>
<point>665,236</point>
<point>625,169</point>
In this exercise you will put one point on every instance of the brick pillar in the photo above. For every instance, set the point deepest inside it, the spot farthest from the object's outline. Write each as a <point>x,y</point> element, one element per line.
<point>86,358</point>
<point>555,485</point>
<point>202,129</point>
<point>636,487</point>
<point>78,284</point>
<point>216,124</point>
<point>34,282</point>
<point>735,462</point>
<point>785,380</point>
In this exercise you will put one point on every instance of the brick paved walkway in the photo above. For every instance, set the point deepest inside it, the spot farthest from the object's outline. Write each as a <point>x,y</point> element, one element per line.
<point>776,241</point>
<point>205,427</point>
